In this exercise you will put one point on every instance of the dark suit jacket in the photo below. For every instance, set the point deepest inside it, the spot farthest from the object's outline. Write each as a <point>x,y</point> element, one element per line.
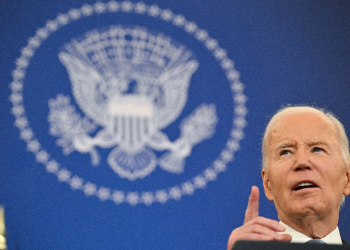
<point>278,245</point>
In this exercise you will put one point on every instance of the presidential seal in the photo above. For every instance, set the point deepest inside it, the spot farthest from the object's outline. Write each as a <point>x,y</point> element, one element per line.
<point>125,89</point>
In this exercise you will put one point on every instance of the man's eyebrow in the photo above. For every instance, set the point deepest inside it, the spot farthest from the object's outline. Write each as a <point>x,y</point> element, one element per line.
<point>314,143</point>
<point>286,145</point>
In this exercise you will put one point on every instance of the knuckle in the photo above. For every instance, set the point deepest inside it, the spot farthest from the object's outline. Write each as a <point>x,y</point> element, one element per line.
<point>255,227</point>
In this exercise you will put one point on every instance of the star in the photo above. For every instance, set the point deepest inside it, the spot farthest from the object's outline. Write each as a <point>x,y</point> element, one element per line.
<point>187,188</point>
<point>240,98</point>
<point>227,63</point>
<point>153,11</point>
<point>166,15</point>
<point>52,25</point>
<point>226,155</point>
<point>232,75</point>
<point>74,14</point>
<point>199,181</point>
<point>52,166</point>
<point>34,146</point>
<point>27,134</point>
<point>127,6</point>
<point>191,27</point>
<point>133,198</point>
<point>240,122</point>
<point>219,53</point>
<point>118,197</point>
<point>140,8</point>
<point>89,189</point>
<point>63,175</point>
<point>237,134</point>
<point>179,20</point>
<point>63,19</point>
<point>103,193</point>
<point>87,10</point>
<point>201,35</point>
<point>21,123</point>
<point>210,174</point>
<point>175,193</point>
<point>211,44</point>
<point>147,198</point>
<point>100,7</point>
<point>161,196</point>
<point>219,165</point>
<point>76,182</point>
<point>113,6</point>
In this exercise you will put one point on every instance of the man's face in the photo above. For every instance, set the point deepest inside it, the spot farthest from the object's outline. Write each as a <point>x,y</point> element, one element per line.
<point>306,174</point>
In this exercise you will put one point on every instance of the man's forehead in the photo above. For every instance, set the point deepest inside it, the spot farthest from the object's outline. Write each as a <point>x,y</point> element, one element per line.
<point>303,120</point>
<point>312,126</point>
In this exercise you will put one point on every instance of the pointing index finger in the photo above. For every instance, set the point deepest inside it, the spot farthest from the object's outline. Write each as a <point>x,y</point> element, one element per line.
<point>252,210</point>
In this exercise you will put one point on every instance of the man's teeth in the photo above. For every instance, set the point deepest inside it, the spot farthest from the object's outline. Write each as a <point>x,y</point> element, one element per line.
<point>305,184</point>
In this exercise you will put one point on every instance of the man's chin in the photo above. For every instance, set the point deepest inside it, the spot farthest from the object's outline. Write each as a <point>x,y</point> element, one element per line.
<point>307,207</point>
<point>306,196</point>
<point>298,208</point>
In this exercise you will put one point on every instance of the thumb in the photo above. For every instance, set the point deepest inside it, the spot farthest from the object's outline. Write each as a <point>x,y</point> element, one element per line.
<point>286,237</point>
<point>252,210</point>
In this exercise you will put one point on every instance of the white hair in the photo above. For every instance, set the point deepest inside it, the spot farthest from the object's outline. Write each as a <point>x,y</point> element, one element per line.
<point>289,110</point>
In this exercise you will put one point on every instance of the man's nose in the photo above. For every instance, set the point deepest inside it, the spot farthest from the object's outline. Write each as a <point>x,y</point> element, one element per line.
<point>302,160</point>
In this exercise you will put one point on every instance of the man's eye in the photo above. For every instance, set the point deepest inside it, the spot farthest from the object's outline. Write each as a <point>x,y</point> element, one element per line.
<point>284,152</point>
<point>317,149</point>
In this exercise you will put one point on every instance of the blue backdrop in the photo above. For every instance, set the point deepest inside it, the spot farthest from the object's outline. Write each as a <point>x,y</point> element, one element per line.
<point>138,125</point>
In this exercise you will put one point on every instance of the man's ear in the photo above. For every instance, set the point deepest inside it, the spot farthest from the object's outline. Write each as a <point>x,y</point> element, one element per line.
<point>266,183</point>
<point>347,184</point>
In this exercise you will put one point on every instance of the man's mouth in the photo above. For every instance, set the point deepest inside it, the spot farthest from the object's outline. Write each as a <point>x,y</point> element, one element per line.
<point>304,185</point>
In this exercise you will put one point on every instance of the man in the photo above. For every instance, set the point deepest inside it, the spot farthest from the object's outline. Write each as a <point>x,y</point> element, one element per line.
<point>306,173</point>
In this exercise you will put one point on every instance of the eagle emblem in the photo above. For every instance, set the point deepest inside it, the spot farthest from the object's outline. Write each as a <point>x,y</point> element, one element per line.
<point>130,84</point>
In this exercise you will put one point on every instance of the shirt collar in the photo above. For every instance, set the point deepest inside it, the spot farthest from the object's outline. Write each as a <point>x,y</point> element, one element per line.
<point>297,237</point>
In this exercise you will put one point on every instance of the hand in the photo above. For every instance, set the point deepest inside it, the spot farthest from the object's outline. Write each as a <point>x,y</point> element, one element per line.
<point>256,227</point>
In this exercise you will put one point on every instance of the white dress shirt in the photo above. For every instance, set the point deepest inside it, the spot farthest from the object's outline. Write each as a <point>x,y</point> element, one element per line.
<point>297,237</point>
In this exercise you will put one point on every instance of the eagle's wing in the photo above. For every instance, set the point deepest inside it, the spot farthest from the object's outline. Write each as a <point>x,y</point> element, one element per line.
<point>174,85</point>
<point>86,82</point>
